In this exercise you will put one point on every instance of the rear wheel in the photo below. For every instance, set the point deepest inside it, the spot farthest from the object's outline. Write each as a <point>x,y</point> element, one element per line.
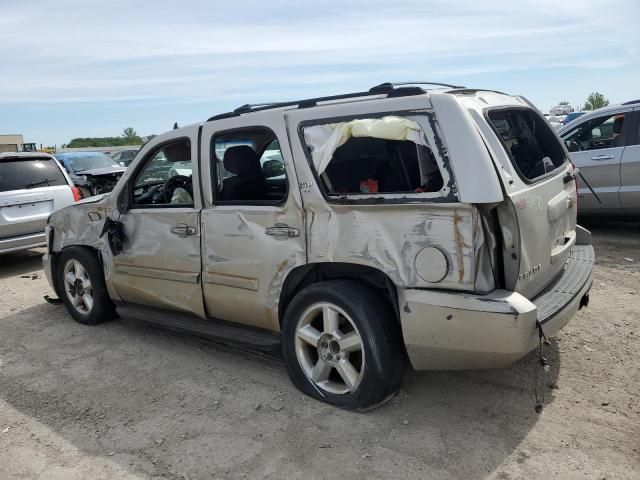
<point>82,284</point>
<point>341,345</point>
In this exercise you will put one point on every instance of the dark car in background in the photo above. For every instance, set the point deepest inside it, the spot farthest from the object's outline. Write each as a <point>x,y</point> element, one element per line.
<point>124,157</point>
<point>92,172</point>
<point>571,117</point>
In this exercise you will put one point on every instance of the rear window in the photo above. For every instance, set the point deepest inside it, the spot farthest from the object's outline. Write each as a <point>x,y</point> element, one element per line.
<point>29,173</point>
<point>529,140</point>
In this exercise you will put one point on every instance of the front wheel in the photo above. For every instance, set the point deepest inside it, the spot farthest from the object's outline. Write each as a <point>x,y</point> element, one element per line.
<point>82,282</point>
<point>341,345</point>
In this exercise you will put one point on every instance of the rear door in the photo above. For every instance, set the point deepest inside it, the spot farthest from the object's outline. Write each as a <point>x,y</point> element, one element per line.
<point>596,147</point>
<point>538,222</point>
<point>630,168</point>
<point>31,189</point>
<point>252,219</point>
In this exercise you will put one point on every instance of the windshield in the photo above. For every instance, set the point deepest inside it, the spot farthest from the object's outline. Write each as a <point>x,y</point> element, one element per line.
<point>529,141</point>
<point>29,173</point>
<point>88,161</point>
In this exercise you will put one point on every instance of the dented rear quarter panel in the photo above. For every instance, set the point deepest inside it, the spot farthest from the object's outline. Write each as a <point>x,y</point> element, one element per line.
<point>389,237</point>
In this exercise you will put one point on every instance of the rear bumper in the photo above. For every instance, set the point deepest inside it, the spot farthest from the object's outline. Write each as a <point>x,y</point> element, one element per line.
<point>23,242</point>
<point>445,331</point>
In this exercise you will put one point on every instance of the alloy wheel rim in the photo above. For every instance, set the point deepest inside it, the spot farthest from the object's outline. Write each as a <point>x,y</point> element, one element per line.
<point>77,286</point>
<point>329,349</point>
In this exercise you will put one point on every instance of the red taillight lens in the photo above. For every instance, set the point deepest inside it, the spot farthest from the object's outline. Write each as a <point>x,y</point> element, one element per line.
<point>77,196</point>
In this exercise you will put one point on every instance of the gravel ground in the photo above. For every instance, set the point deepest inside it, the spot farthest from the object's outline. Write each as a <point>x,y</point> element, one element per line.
<point>124,400</point>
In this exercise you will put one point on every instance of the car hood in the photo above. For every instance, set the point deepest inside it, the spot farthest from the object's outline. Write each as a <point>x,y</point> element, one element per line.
<point>96,172</point>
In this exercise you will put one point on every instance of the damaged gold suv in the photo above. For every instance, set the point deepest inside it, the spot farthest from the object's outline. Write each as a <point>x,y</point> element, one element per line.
<point>350,232</point>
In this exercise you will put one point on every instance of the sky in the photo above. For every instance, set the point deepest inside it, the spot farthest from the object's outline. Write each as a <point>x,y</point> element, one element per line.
<point>78,68</point>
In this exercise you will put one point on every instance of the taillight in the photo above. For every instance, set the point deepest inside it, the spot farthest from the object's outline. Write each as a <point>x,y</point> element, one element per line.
<point>77,196</point>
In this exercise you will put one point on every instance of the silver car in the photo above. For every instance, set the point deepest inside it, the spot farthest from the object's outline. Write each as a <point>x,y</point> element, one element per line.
<point>605,145</point>
<point>349,232</point>
<point>32,187</point>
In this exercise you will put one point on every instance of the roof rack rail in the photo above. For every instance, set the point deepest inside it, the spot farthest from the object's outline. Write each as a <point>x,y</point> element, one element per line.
<point>310,102</point>
<point>463,90</point>
<point>631,102</point>
<point>249,107</point>
<point>391,85</point>
<point>388,89</point>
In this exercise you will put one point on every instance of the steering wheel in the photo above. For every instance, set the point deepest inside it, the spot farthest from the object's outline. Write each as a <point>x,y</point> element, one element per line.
<point>573,146</point>
<point>179,181</point>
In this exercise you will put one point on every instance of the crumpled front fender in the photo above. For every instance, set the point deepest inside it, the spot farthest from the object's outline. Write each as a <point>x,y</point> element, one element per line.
<point>81,224</point>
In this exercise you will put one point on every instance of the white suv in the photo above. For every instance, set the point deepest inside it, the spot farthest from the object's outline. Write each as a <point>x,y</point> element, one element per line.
<point>347,232</point>
<point>32,187</point>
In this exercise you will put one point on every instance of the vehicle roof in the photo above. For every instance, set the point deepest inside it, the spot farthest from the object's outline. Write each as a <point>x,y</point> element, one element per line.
<point>377,93</point>
<point>596,113</point>
<point>25,155</point>
<point>474,98</point>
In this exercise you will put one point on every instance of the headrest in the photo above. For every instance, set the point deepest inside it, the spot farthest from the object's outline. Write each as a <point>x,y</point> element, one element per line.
<point>178,152</point>
<point>617,124</point>
<point>242,160</point>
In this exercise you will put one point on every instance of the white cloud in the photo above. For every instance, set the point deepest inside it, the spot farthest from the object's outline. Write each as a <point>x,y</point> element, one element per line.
<point>71,50</point>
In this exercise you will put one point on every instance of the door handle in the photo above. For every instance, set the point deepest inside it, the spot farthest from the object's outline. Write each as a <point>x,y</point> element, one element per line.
<point>282,231</point>
<point>182,230</point>
<point>603,157</point>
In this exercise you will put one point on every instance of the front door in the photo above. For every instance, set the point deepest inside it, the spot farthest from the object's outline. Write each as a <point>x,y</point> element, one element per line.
<point>160,263</point>
<point>596,147</point>
<point>252,220</point>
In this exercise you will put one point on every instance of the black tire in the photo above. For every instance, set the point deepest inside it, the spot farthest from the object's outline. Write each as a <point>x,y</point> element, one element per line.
<point>382,351</point>
<point>102,308</point>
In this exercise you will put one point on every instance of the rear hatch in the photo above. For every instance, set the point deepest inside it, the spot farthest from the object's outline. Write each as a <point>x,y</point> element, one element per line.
<point>31,188</point>
<point>538,219</point>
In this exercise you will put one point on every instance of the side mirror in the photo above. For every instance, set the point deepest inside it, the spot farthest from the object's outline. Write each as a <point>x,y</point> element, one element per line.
<point>273,168</point>
<point>122,203</point>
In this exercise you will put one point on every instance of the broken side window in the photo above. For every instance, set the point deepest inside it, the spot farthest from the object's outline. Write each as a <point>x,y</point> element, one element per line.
<point>373,156</point>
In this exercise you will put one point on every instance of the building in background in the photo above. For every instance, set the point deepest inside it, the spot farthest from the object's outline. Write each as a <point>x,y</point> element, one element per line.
<point>15,143</point>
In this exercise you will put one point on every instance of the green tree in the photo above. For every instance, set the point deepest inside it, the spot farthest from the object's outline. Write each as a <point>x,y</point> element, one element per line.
<point>594,101</point>
<point>564,103</point>
<point>96,142</point>
<point>131,137</point>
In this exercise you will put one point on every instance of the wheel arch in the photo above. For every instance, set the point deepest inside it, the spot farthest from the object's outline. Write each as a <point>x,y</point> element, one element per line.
<point>305,275</point>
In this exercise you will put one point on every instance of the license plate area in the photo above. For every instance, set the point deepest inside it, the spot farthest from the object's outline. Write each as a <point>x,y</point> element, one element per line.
<point>27,210</point>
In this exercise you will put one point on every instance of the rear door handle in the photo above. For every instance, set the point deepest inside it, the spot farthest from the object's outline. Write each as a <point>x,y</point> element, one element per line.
<point>603,157</point>
<point>183,230</point>
<point>282,231</point>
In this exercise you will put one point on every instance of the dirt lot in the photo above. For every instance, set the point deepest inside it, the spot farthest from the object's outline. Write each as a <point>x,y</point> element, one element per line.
<point>124,400</point>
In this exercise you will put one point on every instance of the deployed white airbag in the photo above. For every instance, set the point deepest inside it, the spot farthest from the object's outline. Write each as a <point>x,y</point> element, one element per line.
<point>325,139</point>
